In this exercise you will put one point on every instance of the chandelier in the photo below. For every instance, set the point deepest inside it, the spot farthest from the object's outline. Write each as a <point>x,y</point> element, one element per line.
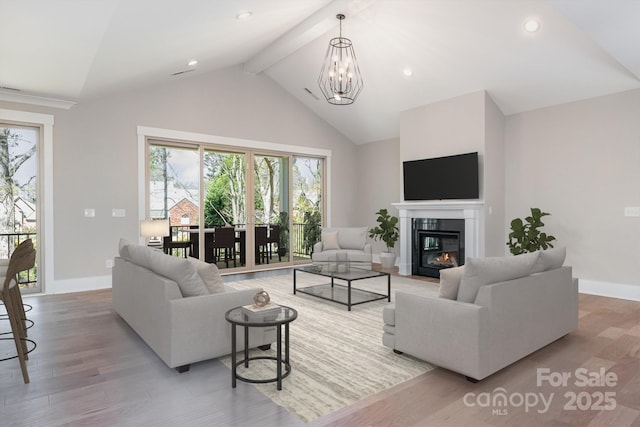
<point>340,80</point>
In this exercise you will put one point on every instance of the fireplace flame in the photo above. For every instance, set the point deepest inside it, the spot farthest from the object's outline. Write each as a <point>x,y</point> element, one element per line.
<point>446,260</point>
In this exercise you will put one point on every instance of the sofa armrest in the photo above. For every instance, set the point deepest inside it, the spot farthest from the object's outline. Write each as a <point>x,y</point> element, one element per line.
<point>199,328</point>
<point>448,333</point>
<point>317,247</point>
<point>367,249</point>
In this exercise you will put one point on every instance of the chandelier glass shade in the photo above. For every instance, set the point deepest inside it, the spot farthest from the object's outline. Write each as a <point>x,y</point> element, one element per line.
<point>340,79</point>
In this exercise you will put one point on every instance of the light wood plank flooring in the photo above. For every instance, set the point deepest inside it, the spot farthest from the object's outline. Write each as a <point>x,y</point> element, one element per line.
<point>91,369</point>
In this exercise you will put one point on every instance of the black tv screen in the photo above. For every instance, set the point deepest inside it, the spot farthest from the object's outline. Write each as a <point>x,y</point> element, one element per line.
<point>450,177</point>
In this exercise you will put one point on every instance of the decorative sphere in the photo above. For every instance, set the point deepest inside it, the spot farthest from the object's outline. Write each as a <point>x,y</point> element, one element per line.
<point>260,299</point>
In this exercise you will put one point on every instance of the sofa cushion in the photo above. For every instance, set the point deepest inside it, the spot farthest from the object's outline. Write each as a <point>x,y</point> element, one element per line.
<point>329,240</point>
<point>352,237</point>
<point>549,259</point>
<point>450,282</point>
<point>483,271</point>
<point>352,255</point>
<point>177,269</point>
<point>209,274</point>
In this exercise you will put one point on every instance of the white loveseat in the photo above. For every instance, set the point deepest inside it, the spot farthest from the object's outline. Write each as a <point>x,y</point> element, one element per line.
<point>168,302</point>
<point>504,309</point>
<point>351,241</point>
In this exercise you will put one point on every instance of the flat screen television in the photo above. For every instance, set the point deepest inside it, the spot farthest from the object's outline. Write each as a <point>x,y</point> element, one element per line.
<point>450,177</point>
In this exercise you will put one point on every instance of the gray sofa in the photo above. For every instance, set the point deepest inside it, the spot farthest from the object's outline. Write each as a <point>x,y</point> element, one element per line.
<point>351,241</point>
<point>513,312</point>
<point>182,322</point>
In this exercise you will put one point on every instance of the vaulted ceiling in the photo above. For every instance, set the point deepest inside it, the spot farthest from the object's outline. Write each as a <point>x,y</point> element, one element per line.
<point>77,51</point>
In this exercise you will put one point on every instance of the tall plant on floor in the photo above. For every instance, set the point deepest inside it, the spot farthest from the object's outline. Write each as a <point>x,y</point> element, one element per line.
<point>525,237</point>
<point>387,231</point>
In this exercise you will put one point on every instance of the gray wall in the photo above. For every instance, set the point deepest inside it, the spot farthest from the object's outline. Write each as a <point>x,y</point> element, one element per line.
<point>578,161</point>
<point>581,163</point>
<point>494,180</point>
<point>379,175</point>
<point>95,153</point>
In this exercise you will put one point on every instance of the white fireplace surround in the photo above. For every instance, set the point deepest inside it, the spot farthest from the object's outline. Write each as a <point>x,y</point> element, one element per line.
<point>471,211</point>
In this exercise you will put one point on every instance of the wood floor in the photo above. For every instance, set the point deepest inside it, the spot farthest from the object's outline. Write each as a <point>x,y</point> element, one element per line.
<point>90,369</point>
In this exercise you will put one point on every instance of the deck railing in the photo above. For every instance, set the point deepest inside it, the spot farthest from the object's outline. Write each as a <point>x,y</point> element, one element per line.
<point>182,233</point>
<point>8,243</point>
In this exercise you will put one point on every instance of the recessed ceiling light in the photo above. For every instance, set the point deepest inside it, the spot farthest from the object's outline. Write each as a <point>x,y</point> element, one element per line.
<point>243,15</point>
<point>407,72</point>
<point>192,63</point>
<point>532,25</point>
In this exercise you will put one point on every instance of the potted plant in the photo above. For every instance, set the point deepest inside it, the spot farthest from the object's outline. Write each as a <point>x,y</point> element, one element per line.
<point>387,231</point>
<point>311,229</point>
<point>283,242</point>
<point>526,237</point>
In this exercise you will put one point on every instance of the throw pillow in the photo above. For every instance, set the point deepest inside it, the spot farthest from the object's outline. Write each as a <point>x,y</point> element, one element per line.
<point>450,282</point>
<point>329,240</point>
<point>209,274</point>
<point>123,248</point>
<point>550,259</point>
<point>483,271</point>
<point>177,269</point>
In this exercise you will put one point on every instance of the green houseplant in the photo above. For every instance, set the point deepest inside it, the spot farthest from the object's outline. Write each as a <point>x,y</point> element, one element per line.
<point>311,229</point>
<point>525,237</point>
<point>387,231</point>
<point>283,242</point>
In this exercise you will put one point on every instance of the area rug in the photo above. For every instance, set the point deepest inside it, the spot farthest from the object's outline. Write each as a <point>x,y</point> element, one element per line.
<point>337,357</point>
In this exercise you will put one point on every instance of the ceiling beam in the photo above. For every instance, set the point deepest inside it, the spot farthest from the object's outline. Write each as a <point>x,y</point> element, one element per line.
<point>304,33</point>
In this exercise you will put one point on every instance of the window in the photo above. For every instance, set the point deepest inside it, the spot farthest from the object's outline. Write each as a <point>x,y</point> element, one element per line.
<point>19,193</point>
<point>270,194</point>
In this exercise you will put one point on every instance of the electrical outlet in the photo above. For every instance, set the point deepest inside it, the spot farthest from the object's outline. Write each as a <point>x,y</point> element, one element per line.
<point>109,263</point>
<point>118,213</point>
<point>89,212</point>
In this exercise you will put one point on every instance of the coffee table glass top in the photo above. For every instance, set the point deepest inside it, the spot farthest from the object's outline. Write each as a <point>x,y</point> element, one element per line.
<point>352,273</point>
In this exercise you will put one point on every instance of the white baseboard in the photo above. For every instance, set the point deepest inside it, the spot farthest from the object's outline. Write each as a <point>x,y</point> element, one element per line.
<point>376,258</point>
<point>77,285</point>
<point>613,290</point>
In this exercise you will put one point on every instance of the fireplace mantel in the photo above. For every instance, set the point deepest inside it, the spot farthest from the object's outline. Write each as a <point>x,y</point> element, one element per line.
<point>469,210</point>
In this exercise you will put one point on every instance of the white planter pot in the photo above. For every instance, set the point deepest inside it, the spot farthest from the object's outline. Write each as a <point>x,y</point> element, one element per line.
<point>387,259</point>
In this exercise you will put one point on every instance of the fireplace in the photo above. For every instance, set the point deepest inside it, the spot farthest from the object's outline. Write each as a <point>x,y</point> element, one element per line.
<point>470,212</point>
<point>437,244</point>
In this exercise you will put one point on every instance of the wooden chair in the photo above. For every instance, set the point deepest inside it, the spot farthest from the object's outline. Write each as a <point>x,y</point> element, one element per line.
<point>262,245</point>
<point>23,258</point>
<point>24,247</point>
<point>224,239</point>
<point>274,237</point>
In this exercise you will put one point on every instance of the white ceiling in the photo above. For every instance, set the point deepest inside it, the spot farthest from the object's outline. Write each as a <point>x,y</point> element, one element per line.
<point>78,50</point>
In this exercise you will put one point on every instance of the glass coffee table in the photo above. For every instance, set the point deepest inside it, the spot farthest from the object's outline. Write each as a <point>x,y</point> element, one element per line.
<point>342,294</point>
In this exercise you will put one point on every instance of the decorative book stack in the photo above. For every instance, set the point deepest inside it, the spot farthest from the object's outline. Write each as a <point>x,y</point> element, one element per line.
<point>253,310</point>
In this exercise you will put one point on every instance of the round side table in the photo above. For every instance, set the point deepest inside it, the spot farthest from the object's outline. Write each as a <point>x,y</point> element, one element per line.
<point>238,317</point>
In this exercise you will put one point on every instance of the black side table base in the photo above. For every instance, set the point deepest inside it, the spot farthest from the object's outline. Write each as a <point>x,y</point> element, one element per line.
<point>287,371</point>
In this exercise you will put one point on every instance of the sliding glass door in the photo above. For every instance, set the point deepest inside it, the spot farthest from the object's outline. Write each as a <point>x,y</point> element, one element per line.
<point>18,195</point>
<point>174,194</point>
<point>271,209</point>
<point>245,199</point>
<point>307,191</point>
